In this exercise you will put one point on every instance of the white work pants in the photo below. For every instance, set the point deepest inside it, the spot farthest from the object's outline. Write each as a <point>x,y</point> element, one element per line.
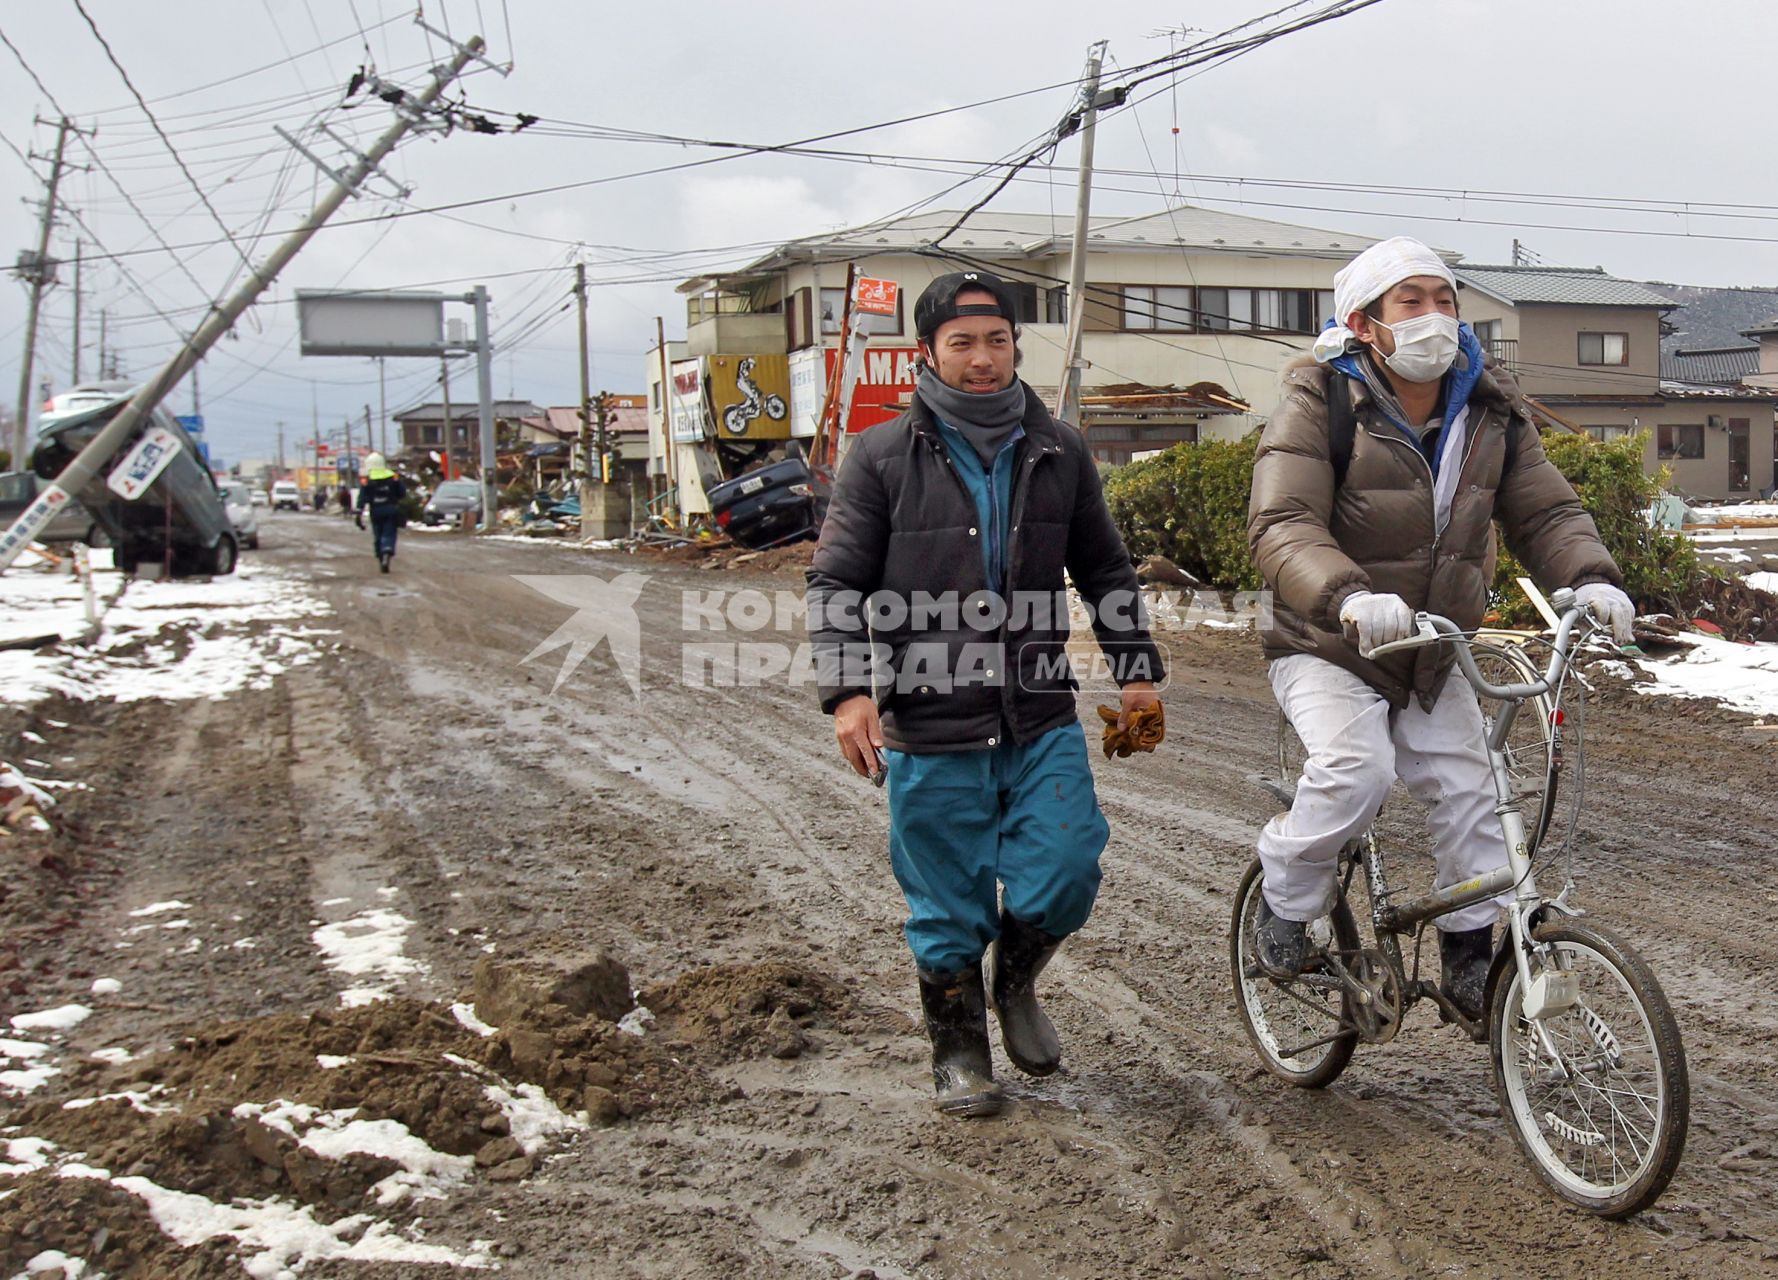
<point>1356,747</point>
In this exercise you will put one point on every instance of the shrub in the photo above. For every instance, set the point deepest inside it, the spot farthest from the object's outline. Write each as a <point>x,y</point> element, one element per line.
<point>1189,504</point>
<point>1660,567</point>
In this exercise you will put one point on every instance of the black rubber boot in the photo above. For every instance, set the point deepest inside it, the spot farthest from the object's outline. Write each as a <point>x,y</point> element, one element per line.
<point>1017,957</point>
<point>957,1024</point>
<point>1279,945</point>
<point>1464,960</point>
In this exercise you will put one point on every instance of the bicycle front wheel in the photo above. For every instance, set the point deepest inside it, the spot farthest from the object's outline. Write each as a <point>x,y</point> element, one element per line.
<point>1601,1105</point>
<point>1301,1029</point>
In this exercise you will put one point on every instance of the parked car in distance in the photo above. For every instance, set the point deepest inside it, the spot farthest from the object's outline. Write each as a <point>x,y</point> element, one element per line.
<point>286,496</point>
<point>261,498</point>
<point>451,499</point>
<point>179,518</point>
<point>779,502</point>
<point>73,523</point>
<point>238,499</point>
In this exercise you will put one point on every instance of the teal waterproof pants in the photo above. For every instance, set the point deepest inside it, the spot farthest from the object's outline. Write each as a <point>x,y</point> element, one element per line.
<point>1025,816</point>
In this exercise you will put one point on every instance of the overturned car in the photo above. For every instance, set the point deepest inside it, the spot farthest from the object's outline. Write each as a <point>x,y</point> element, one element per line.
<point>177,520</point>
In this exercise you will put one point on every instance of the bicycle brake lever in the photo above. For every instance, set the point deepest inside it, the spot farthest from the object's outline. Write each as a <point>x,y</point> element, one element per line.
<point>1426,635</point>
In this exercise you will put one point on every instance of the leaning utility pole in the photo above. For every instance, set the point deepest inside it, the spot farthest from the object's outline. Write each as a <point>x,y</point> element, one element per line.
<point>411,111</point>
<point>382,408</point>
<point>37,271</point>
<point>1068,392</point>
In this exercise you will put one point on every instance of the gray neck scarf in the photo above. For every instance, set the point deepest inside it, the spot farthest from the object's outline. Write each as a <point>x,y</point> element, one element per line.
<point>987,421</point>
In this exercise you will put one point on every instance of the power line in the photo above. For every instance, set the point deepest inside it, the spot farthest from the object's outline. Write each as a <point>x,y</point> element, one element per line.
<point>171,149</point>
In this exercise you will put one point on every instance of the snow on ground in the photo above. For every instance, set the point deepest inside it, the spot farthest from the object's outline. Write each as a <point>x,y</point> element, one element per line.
<point>1742,677</point>
<point>368,947</point>
<point>1763,582</point>
<point>134,655</point>
<point>277,1236</point>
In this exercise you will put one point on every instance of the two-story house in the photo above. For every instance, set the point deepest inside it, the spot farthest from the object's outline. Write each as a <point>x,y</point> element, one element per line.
<point>1190,313</point>
<point>1586,346</point>
<point>423,429</point>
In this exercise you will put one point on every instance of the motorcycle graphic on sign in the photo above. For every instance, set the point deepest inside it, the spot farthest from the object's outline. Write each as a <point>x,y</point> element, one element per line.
<point>737,419</point>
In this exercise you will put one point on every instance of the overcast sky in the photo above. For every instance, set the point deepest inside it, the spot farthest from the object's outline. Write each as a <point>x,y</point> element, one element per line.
<point>1569,107</point>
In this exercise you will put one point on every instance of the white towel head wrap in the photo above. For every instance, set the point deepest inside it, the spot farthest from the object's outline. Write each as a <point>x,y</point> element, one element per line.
<point>1368,277</point>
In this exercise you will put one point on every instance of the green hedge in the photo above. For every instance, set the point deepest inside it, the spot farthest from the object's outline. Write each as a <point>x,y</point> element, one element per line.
<point>1660,567</point>
<point>1189,504</point>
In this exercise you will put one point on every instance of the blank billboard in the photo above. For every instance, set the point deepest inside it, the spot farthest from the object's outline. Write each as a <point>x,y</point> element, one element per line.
<point>346,323</point>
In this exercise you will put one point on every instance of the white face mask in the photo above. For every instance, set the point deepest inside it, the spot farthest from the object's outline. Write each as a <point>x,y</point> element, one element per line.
<point>1425,346</point>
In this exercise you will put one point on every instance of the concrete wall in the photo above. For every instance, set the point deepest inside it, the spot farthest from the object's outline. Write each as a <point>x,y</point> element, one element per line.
<point>1548,350</point>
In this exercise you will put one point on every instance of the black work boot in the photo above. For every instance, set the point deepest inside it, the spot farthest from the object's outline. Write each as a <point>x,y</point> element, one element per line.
<point>957,1024</point>
<point>1279,945</point>
<point>1465,957</point>
<point>1014,962</point>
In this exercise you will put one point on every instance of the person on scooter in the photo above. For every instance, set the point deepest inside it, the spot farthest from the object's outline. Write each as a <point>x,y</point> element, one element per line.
<point>1393,450</point>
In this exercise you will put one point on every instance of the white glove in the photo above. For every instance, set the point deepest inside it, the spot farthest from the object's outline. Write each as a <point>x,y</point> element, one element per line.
<point>1610,606</point>
<point>1378,619</point>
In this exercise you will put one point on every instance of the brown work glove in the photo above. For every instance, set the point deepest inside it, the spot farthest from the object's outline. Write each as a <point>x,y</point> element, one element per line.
<point>1142,731</point>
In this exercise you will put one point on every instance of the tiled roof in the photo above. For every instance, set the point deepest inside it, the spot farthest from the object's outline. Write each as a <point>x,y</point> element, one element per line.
<point>1712,366</point>
<point>1574,286</point>
<point>1712,317</point>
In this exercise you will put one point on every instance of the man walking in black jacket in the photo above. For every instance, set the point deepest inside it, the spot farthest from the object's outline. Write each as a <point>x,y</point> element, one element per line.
<point>381,495</point>
<point>939,620</point>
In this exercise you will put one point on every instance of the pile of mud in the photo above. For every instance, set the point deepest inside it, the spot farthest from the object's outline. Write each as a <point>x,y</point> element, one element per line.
<point>345,1115</point>
<point>725,1013</point>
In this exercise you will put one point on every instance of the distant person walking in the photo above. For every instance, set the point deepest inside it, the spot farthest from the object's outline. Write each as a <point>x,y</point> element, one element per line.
<point>320,497</point>
<point>344,494</point>
<point>381,494</point>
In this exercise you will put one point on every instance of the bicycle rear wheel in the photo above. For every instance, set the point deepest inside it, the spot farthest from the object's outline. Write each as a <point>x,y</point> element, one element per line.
<point>1301,1030</point>
<point>1529,748</point>
<point>1603,1117</point>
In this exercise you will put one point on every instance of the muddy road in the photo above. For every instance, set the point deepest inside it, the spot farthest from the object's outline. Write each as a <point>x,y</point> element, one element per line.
<point>710,839</point>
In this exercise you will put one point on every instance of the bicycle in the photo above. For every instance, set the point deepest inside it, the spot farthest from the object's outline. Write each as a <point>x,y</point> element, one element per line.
<point>1586,1055</point>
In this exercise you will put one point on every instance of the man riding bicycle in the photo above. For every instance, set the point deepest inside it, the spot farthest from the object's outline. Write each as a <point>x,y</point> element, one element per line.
<point>1393,450</point>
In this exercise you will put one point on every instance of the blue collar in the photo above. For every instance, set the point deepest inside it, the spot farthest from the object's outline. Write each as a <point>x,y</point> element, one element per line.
<point>1460,384</point>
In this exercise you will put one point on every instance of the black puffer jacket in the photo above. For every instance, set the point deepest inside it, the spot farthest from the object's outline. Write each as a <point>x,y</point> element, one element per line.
<point>902,527</point>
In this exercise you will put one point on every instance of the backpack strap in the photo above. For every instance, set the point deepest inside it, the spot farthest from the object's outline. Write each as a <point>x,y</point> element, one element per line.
<point>1342,424</point>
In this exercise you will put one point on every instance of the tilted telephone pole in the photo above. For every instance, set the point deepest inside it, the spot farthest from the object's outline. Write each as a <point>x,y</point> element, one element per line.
<point>1068,393</point>
<point>412,109</point>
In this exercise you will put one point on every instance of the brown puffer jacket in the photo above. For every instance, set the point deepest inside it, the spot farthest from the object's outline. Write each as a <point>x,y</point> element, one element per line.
<point>1315,546</point>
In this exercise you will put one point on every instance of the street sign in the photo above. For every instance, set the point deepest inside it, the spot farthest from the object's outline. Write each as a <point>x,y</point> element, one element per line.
<point>876,297</point>
<point>192,422</point>
<point>142,465</point>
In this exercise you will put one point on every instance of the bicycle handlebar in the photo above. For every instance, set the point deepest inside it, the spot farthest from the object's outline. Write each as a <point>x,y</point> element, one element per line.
<point>1435,629</point>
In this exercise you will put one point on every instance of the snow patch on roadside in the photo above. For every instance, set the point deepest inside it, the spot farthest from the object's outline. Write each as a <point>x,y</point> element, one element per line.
<point>277,1236</point>
<point>1741,677</point>
<point>368,946</point>
<point>220,656</point>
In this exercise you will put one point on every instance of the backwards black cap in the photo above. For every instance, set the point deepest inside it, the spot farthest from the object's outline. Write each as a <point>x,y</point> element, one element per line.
<point>938,301</point>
